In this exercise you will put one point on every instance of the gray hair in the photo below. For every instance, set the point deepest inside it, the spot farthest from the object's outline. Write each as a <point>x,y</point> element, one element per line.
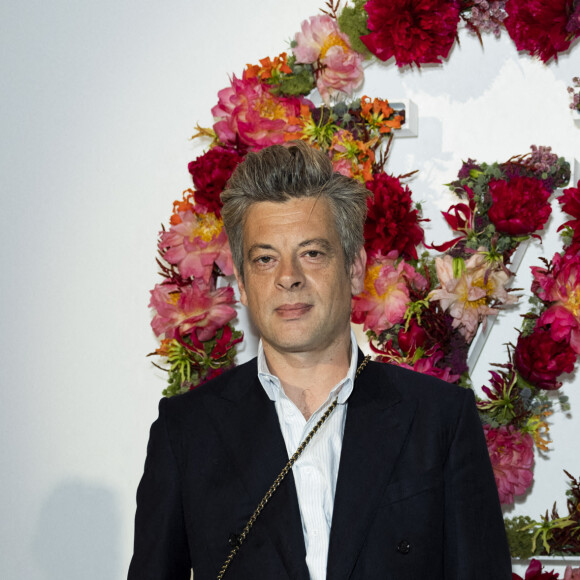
<point>279,173</point>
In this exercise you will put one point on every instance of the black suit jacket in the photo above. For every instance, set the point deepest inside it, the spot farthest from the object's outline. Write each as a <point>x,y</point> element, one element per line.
<point>415,495</point>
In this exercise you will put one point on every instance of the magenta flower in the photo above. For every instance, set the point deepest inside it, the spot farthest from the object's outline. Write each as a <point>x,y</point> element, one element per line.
<point>248,112</point>
<point>340,66</point>
<point>520,206</point>
<point>385,297</point>
<point>195,244</point>
<point>560,285</point>
<point>194,308</point>
<point>570,201</point>
<point>512,457</point>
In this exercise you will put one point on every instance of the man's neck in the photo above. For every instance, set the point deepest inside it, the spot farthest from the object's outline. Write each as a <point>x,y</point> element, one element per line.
<point>307,378</point>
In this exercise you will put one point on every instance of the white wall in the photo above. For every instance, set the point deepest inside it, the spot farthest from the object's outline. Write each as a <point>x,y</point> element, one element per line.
<point>99,100</point>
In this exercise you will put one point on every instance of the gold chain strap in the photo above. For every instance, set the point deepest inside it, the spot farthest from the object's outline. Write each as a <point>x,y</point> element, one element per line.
<point>241,538</point>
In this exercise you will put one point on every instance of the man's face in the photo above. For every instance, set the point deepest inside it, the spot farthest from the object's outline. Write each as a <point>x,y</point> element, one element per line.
<point>295,282</point>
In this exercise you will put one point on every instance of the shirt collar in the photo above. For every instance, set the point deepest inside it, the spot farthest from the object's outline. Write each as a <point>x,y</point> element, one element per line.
<point>273,387</point>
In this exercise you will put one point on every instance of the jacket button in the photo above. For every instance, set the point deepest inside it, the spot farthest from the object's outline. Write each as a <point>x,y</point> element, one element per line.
<point>403,547</point>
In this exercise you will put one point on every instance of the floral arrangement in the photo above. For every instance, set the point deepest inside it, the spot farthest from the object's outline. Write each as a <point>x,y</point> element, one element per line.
<point>574,91</point>
<point>421,309</point>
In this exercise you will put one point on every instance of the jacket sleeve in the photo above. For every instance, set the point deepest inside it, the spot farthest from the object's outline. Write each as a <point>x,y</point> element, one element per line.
<point>160,547</point>
<point>475,540</point>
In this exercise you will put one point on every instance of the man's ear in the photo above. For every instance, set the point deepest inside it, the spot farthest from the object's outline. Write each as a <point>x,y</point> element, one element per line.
<point>357,272</point>
<point>241,286</point>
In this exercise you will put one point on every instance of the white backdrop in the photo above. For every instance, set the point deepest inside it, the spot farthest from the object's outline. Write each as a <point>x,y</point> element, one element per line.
<point>99,100</point>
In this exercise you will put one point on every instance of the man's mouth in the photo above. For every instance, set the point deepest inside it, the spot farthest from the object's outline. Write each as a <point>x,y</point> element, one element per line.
<point>290,311</point>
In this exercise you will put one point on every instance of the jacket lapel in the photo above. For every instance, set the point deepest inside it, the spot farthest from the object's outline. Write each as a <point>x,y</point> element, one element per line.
<point>248,424</point>
<point>376,427</point>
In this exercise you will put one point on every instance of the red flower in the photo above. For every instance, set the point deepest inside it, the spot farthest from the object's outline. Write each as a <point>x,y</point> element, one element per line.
<point>520,206</point>
<point>534,572</point>
<point>413,31</point>
<point>540,27</point>
<point>210,173</point>
<point>541,360</point>
<point>570,202</point>
<point>392,224</point>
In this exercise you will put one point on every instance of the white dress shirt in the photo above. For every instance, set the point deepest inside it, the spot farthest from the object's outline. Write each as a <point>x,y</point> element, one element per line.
<point>316,470</point>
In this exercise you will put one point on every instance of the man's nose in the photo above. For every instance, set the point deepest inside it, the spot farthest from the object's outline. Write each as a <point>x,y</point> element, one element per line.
<point>290,275</point>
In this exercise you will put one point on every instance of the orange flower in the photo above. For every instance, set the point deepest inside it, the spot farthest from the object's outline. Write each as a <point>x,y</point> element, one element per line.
<point>379,115</point>
<point>181,206</point>
<point>269,69</point>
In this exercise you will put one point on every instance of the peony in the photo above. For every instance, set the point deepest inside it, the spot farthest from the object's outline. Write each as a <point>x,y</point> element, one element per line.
<point>520,206</point>
<point>413,31</point>
<point>468,297</point>
<point>560,285</point>
<point>570,202</point>
<point>195,244</point>
<point>540,359</point>
<point>249,113</point>
<point>210,173</point>
<point>512,457</point>
<point>392,224</point>
<point>385,297</point>
<point>194,308</point>
<point>320,40</point>
<point>539,27</point>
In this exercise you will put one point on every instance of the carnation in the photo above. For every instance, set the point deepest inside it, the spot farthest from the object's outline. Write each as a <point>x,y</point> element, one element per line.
<point>540,359</point>
<point>247,112</point>
<point>392,223</point>
<point>540,27</point>
<point>412,31</point>
<point>535,572</point>
<point>195,308</point>
<point>512,457</point>
<point>195,244</point>
<point>520,206</point>
<point>210,173</point>
<point>570,202</point>
<point>320,40</point>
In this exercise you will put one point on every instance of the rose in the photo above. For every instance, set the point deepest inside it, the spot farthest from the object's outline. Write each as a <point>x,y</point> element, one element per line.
<point>541,360</point>
<point>413,31</point>
<point>520,206</point>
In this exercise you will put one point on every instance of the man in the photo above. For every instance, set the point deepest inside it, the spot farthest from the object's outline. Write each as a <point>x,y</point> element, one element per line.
<point>395,484</point>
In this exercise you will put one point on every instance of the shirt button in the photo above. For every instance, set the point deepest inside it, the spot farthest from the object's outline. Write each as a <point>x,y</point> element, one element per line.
<point>403,547</point>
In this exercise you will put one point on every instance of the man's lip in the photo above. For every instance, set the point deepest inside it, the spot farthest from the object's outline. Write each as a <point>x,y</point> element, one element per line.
<point>292,310</point>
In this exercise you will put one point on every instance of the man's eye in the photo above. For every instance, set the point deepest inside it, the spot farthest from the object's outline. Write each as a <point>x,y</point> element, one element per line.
<point>263,259</point>
<point>313,253</point>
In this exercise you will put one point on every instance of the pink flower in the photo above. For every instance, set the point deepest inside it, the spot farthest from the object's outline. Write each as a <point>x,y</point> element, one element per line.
<point>540,27</point>
<point>512,457</point>
<point>195,244</point>
<point>571,573</point>
<point>413,31</point>
<point>385,298</point>
<point>520,206</point>
<point>340,67</point>
<point>193,308</point>
<point>560,285</point>
<point>470,297</point>
<point>249,113</point>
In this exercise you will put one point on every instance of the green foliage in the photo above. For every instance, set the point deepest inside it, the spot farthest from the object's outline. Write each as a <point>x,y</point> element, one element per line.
<point>353,22</point>
<point>300,82</point>
<point>520,540</point>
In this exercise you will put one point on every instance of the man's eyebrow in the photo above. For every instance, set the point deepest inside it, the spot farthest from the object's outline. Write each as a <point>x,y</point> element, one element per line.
<point>323,242</point>
<point>256,247</point>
